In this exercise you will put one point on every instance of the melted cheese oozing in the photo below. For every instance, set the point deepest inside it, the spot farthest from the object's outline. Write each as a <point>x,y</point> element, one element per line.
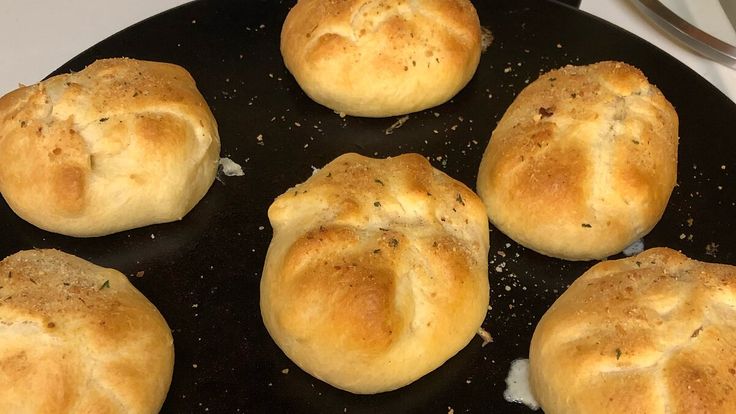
<point>231,168</point>
<point>517,385</point>
<point>634,249</point>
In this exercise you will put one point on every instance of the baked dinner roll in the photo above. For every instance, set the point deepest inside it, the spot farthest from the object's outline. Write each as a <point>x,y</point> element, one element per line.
<point>377,272</point>
<point>582,163</point>
<point>78,338</point>
<point>653,333</point>
<point>379,58</point>
<point>122,144</point>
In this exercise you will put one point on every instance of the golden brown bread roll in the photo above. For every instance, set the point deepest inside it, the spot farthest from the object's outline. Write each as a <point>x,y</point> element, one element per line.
<point>381,58</point>
<point>78,338</point>
<point>582,163</point>
<point>377,272</point>
<point>653,333</point>
<point>121,144</point>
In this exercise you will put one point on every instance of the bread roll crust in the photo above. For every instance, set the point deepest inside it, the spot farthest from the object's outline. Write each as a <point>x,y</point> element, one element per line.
<point>653,333</point>
<point>377,272</point>
<point>121,144</point>
<point>582,163</point>
<point>77,338</point>
<point>379,58</point>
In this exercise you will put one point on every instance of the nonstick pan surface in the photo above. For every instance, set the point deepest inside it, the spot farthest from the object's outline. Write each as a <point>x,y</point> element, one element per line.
<point>203,272</point>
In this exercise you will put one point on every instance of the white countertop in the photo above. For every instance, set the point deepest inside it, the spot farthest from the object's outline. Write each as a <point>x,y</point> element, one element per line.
<point>38,36</point>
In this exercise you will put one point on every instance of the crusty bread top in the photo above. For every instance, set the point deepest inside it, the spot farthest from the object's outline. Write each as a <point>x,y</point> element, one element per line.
<point>377,271</point>
<point>77,338</point>
<point>381,57</point>
<point>583,161</point>
<point>121,144</point>
<point>653,333</point>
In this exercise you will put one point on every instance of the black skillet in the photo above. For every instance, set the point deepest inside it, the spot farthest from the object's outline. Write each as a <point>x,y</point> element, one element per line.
<point>203,272</point>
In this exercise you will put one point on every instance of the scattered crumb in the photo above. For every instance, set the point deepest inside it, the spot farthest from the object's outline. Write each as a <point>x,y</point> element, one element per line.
<point>485,336</point>
<point>486,38</point>
<point>711,249</point>
<point>140,273</point>
<point>396,125</point>
<point>285,371</point>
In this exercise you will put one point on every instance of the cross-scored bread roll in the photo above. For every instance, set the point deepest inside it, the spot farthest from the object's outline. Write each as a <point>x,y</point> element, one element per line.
<point>582,163</point>
<point>377,272</point>
<point>78,338</point>
<point>379,58</point>
<point>653,333</point>
<point>121,144</point>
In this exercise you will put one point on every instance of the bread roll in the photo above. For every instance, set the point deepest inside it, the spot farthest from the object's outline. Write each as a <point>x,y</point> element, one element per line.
<point>653,333</point>
<point>582,163</point>
<point>78,338</point>
<point>121,144</point>
<point>381,58</point>
<point>377,272</point>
